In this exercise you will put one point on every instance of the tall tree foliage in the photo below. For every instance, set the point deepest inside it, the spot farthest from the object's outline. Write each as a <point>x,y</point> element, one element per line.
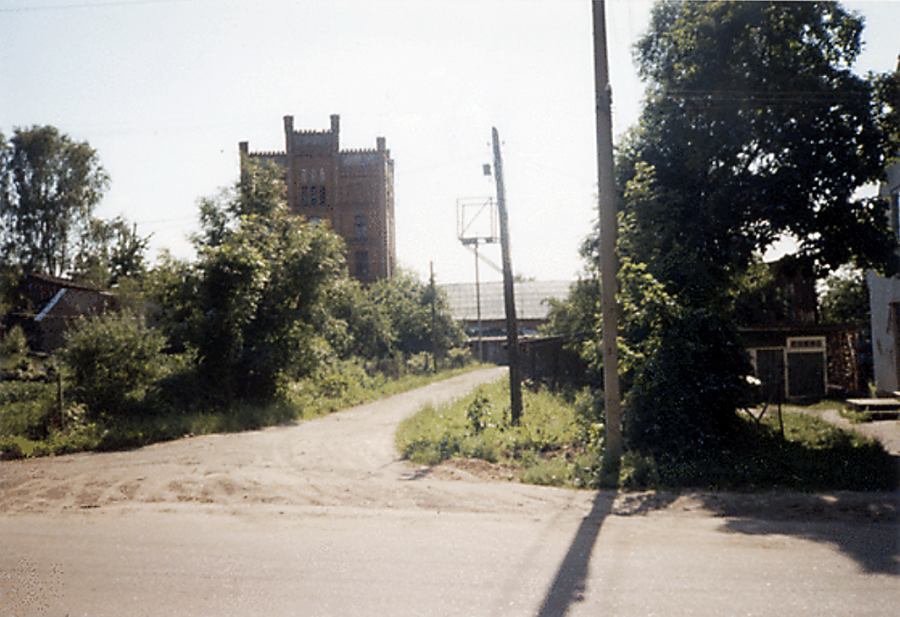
<point>408,303</point>
<point>754,126</point>
<point>256,306</point>
<point>49,186</point>
<point>108,252</point>
<point>845,299</point>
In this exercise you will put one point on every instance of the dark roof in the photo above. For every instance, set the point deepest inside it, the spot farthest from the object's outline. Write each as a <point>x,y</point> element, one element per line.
<point>54,281</point>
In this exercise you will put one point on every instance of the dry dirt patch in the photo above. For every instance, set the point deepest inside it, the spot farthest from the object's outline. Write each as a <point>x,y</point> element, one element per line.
<point>474,469</point>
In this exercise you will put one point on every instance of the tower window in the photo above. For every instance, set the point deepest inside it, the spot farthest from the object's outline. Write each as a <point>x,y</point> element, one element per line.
<point>362,263</point>
<point>312,196</point>
<point>359,227</point>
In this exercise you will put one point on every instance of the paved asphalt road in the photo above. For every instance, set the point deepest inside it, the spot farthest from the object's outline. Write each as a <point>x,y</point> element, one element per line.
<point>267,523</point>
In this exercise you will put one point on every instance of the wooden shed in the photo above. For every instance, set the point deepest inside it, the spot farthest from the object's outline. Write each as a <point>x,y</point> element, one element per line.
<point>50,305</point>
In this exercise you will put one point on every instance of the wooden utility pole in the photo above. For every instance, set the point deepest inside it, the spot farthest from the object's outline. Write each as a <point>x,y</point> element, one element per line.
<point>608,222</point>
<point>512,326</point>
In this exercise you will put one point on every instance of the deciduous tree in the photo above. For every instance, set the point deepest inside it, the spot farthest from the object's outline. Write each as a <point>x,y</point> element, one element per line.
<point>49,185</point>
<point>257,304</point>
<point>408,302</point>
<point>845,299</point>
<point>754,126</point>
<point>109,251</point>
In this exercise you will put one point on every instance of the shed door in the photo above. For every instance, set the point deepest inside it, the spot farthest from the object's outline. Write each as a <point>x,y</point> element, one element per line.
<point>770,371</point>
<point>806,367</point>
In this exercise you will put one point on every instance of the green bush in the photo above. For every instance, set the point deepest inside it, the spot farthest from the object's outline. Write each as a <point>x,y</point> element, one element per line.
<point>27,409</point>
<point>590,419</point>
<point>419,363</point>
<point>482,446</point>
<point>638,471</point>
<point>459,357</point>
<point>111,360</point>
<point>13,344</point>
<point>552,472</point>
<point>32,425</point>
<point>478,412</point>
<point>812,456</point>
<point>684,398</point>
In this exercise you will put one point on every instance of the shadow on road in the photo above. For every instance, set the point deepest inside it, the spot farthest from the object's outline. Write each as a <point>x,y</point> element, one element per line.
<point>569,584</point>
<point>863,526</point>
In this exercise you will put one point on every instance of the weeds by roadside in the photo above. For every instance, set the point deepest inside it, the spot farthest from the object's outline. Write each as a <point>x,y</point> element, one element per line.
<point>812,455</point>
<point>31,423</point>
<point>560,443</point>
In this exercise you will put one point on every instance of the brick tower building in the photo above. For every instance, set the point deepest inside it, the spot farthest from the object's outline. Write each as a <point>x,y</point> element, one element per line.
<point>352,189</point>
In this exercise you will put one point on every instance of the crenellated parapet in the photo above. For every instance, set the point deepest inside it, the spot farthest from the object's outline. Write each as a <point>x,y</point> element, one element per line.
<point>267,155</point>
<point>244,148</point>
<point>367,156</point>
<point>311,142</point>
<point>310,132</point>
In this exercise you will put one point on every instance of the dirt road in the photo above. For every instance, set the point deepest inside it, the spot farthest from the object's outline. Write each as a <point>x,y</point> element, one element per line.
<point>322,518</point>
<point>346,459</point>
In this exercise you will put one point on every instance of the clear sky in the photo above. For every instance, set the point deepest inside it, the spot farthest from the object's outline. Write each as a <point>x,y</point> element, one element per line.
<point>165,89</point>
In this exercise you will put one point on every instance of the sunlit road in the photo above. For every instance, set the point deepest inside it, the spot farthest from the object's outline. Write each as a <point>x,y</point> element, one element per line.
<point>320,518</point>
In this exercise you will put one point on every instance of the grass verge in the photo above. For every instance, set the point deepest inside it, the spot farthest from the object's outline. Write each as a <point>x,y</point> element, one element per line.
<point>811,455</point>
<point>560,443</point>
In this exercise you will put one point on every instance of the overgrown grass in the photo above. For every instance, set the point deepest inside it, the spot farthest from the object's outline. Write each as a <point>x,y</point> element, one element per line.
<point>812,455</point>
<point>560,442</point>
<point>31,423</point>
<point>349,383</point>
<point>557,443</point>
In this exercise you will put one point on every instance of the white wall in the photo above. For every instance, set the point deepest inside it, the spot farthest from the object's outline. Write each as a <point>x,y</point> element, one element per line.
<point>883,292</point>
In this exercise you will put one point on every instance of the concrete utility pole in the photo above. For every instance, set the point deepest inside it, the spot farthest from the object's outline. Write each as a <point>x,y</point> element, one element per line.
<point>512,326</point>
<point>608,222</point>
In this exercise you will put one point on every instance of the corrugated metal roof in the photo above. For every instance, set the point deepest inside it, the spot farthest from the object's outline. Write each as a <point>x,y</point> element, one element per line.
<point>530,296</point>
